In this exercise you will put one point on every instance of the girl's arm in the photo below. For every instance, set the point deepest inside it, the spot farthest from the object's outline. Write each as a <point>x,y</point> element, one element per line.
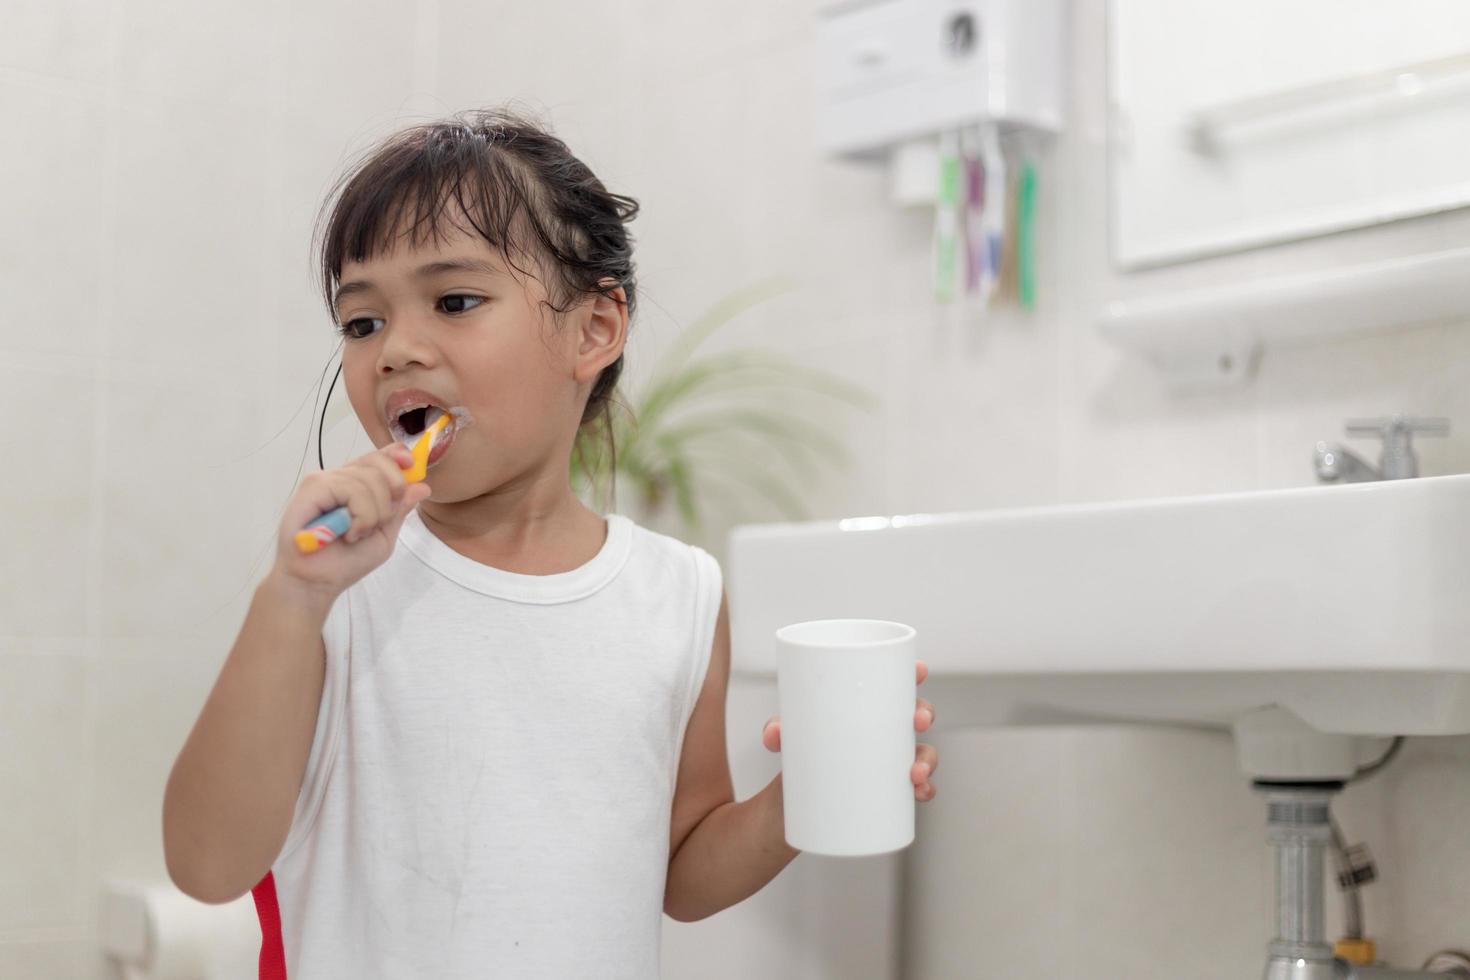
<point>233,789</point>
<point>721,852</point>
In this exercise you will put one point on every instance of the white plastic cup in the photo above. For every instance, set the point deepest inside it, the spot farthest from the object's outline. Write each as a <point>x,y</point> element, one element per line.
<point>847,690</point>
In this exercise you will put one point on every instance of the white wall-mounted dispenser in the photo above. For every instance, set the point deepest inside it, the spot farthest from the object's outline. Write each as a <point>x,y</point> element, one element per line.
<point>893,71</point>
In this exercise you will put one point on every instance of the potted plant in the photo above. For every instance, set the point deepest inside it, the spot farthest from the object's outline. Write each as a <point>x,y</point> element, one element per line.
<point>709,434</point>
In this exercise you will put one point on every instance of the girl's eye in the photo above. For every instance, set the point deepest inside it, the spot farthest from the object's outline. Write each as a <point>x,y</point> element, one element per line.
<point>366,326</point>
<point>455,302</point>
<point>361,327</point>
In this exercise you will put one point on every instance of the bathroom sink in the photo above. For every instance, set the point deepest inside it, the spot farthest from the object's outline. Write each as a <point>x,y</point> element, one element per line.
<point>1349,606</point>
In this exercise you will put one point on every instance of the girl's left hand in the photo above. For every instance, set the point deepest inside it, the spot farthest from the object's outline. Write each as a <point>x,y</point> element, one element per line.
<point>926,757</point>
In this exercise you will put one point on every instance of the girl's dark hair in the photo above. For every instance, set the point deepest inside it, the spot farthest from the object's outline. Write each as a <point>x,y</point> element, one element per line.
<point>519,187</point>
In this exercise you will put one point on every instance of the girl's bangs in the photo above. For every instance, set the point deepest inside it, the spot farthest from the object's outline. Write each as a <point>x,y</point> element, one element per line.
<point>420,194</point>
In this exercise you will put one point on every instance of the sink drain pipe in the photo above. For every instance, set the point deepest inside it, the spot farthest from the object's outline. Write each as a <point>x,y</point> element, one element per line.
<point>1299,826</point>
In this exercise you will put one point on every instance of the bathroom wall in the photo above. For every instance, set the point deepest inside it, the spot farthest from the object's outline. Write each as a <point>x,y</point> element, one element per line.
<point>163,164</point>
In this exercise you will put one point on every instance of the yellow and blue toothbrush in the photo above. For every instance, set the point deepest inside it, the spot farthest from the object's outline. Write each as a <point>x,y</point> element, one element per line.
<point>330,526</point>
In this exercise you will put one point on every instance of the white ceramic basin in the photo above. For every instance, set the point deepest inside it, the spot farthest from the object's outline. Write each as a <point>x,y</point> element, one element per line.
<point>1347,605</point>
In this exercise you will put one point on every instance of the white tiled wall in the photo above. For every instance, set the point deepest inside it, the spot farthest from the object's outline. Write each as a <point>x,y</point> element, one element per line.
<point>163,162</point>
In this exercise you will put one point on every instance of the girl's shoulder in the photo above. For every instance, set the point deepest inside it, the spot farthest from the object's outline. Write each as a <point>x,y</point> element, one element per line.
<point>662,543</point>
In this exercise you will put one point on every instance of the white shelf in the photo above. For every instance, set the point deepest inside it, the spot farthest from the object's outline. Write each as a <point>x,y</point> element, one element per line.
<point>1213,337</point>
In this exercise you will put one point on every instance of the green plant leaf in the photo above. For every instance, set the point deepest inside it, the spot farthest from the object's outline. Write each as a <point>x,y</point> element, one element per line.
<point>710,430</point>
<point>743,370</point>
<point>684,495</point>
<point>768,486</point>
<point>715,317</point>
<point>794,437</point>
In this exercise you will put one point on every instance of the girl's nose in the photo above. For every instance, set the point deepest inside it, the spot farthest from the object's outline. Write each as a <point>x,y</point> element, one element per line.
<point>406,342</point>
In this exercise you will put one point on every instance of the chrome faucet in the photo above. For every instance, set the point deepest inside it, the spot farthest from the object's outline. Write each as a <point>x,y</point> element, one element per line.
<point>1338,464</point>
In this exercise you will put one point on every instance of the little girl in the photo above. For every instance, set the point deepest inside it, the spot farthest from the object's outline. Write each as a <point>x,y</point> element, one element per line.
<point>482,735</point>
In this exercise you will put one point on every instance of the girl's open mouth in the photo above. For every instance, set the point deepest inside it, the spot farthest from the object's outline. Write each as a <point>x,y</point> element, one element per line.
<point>408,427</point>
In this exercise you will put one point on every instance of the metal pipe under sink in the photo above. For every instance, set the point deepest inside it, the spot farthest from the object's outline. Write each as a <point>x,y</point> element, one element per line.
<point>1299,826</point>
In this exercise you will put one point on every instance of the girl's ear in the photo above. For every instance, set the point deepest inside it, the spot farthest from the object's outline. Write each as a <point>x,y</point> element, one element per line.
<point>603,333</point>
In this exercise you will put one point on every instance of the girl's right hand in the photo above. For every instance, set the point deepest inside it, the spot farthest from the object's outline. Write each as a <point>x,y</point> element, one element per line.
<point>377,496</point>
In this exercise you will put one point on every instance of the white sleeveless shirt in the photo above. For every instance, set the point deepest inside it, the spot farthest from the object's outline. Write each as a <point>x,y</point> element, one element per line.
<point>490,782</point>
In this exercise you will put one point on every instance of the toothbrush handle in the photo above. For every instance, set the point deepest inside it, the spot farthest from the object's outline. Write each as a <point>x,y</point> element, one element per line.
<point>327,527</point>
<point>330,526</point>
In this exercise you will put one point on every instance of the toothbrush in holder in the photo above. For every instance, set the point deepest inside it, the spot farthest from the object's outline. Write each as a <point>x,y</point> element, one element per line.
<point>331,525</point>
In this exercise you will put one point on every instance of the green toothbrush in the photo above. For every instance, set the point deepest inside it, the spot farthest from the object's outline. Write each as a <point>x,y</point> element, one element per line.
<point>946,219</point>
<point>1026,236</point>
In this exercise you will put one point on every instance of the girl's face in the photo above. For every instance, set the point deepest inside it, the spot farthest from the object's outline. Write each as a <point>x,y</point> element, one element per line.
<point>450,324</point>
